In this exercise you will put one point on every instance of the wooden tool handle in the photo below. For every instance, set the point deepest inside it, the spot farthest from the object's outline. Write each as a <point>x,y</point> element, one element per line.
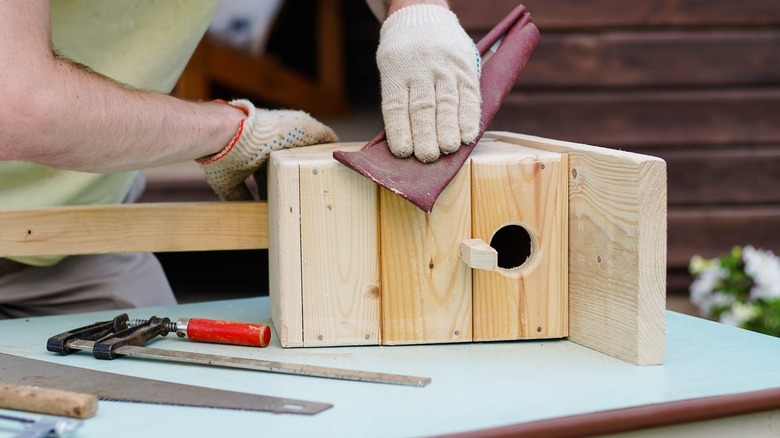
<point>47,401</point>
<point>228,332</point>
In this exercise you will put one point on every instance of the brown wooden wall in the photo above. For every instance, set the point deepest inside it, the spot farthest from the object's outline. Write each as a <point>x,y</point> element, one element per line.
<point>695,82</point>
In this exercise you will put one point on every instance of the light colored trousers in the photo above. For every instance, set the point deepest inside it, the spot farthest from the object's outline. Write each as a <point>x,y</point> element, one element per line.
<point>87,283</point>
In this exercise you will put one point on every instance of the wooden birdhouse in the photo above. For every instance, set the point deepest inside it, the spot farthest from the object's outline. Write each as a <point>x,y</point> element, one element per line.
<point>352,263</point>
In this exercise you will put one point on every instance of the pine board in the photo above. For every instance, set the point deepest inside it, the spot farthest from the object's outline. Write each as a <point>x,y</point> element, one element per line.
<point>426,288</point>
<point>156,227</point>
<point>515,187</point>
<point>339,245</point>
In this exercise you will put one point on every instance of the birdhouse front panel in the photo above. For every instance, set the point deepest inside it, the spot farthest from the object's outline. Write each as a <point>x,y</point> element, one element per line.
<point>355,264</point>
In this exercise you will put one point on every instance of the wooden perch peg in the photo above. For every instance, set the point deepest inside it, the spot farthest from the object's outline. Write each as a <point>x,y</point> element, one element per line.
<point>478,255</point>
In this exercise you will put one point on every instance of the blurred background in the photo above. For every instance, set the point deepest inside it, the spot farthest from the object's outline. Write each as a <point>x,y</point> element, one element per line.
<point>695,82</point>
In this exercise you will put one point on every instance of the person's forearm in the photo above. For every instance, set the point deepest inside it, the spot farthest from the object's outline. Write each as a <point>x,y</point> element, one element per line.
<point>56,113</point>
<point>94,124</point>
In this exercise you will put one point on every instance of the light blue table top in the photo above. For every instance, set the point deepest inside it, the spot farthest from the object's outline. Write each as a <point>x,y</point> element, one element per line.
<point>475,386</point>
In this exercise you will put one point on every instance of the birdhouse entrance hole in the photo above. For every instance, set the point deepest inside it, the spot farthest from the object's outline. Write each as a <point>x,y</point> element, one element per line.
<point>514,246</point>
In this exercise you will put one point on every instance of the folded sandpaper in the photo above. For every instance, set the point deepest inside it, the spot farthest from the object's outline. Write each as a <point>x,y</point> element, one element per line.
<point>422,183</point>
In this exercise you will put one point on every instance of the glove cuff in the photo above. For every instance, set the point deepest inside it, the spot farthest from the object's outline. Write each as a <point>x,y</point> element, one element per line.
<point>419,15</point>
<point>247,108</point>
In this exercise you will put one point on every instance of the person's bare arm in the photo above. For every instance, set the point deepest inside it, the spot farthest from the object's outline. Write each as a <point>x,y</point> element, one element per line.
<point>56,113</point>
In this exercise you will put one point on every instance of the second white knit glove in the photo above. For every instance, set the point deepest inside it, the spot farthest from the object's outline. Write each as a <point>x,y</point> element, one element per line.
<point>429,68</point>
<point>260,133</point>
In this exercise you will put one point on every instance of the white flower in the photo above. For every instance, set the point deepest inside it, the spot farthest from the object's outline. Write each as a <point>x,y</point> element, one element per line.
<point>764,268</point>
<point>739,314</point>
<point>703,292</point>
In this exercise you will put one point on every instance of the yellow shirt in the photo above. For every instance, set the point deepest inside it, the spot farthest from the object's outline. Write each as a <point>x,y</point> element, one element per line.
<point>142,43</point>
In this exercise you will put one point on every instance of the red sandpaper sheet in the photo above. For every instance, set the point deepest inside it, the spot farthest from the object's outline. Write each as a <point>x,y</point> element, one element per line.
<point>422,183</point>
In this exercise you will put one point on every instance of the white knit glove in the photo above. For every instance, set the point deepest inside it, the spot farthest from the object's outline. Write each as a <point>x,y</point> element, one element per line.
<point>260,133</point>
<point>430,70</point>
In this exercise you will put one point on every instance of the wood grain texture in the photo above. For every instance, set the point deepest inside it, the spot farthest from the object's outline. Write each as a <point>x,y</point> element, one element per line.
<point>478,254</point>
<point>426,288</point>
<point>323,262</point>
<point>339,241</point>
<point>284,251</point>
<point>517,186</point>
<point>617,248</point>
<point>100,229</point>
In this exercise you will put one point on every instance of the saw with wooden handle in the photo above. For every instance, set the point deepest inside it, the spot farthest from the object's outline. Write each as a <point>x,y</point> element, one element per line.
<point>117,387</point>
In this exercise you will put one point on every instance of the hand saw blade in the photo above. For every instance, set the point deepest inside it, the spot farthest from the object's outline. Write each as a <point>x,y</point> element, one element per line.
<point>117,387</point>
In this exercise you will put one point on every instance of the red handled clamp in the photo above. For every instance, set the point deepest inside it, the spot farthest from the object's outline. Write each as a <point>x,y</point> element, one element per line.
<point>109,336</point>
<point>216,331</point>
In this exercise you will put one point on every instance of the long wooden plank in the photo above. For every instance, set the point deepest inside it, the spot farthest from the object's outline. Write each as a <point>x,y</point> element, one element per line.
<point>646,118</point>
<point>655,59</point>
<point>426,288</point>
<point>617,248</point>
<point>518,189</point>
<point>588,14</point>
<point>159,227</point>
